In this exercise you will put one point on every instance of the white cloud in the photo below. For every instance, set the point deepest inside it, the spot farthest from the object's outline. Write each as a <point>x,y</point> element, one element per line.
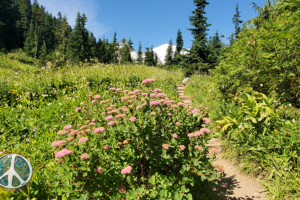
<point>70,8</point>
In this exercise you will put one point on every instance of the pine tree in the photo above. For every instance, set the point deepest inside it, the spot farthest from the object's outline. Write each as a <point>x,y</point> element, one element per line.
<point>179,41</point>
<point>28,45</point>
<point>48,33</point>
<point>92,45</point>
<point>198,53</point>
<point>43,54</point>
<point>231,39</point>
<point>125,52</point>
<point>139,58</point>
<point>236,21</point>
<point>169,56</point>
<point>152,59</point>
<point>114,48</point>
<point>215,50</point>
<point>25,13</point>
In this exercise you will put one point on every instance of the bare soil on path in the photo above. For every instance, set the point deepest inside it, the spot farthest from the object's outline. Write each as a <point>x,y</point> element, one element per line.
<point>234,185</point>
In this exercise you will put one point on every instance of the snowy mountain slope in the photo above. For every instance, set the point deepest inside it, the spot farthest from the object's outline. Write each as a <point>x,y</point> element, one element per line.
<point>162,51</point>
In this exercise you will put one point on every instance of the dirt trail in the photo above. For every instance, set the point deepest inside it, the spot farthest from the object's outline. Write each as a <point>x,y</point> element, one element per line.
<point>234,185</point>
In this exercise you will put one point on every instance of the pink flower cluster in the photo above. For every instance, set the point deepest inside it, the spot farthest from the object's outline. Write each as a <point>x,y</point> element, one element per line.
<point>206,121</point>
<point>83,139</point>
<point>146,81</point>
<point>194,111</point>
<point>165,146</point>
<point>132,119</point>
<point>84,156</point>
<point>109,117</point>
<point>111,123</point>
<point>154,103</point>
<point>126,170</point>
<point>182,147</point>
<point>67,127</point>
<point>161,95</point>
<point>58,143</point>
<point>97,130</point>
<point>63,153</point>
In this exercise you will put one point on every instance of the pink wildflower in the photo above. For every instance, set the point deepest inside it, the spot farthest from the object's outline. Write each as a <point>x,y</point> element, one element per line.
<point>144,94</point>
<point>180,104</point>
<point>139,107</point>
<point>182,97</point>
<point>70,139</point>
<point>137,91</point>
<point>77,108</point>
<point>204,130</point>
<point>112,89</point>
<point>111,123</point>
<point>94,101</point>
<point>191,135</point>
<point>97,97</point>
<point>206,121</point>
<point>157,90</point>
<point>211,142</point>
<point>154,103</point>
<point>178,124</point>
<point>214,151</point>
<point>174,106</point>
<point>126,91</point>
<point>83,139</point>
<point>152,95</point>
<point>174,135</point>
<point>97,130</point>
<point>131,93</point>
<point>67,127</point>
<point>152,113</point>
<point>132,119</point>
<point>194,111</point>
<point>170,114</point>
<point>122,189</point>
<point>84,156</point>
<point>62,132</point>
<point>165,146</point>
<point>182,147</point>
<point>198,133</point>
<point>106,147</point>
<point>198,147</point>
<point>161,95</point>
<point>58,143</point>
<point>92,124</point>
<point>63,153</point>
<point>109,117</point>
<point>200,106</point>
<point>218,127</point>
<point>99,170</point>
<point>126,170</point>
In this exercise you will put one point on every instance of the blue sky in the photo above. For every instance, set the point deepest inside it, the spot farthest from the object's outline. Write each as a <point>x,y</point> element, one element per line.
<point>152,21</point>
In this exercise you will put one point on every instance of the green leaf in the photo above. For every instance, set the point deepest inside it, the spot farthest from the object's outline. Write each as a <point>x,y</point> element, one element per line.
<point>84,174</point>
<point>153,194</point>
<point>189,196</point>
<point>152,180</point>
<point>128,180</point>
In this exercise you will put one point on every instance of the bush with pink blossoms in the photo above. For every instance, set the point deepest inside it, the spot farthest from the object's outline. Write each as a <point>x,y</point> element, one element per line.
<point>161,155</point>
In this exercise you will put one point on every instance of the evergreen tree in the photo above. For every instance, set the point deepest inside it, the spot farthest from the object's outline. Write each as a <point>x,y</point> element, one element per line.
<point>179,41</point>
<point>48,33</point>
<point>169,56</point>
<point>236,21</point>
<point>28,45</point>
<point>125,52</point>
<point>43,54</point>
<point>92,45</point>
<point>152,59</point>
<point>25,16</point>
<point>215,50</point>
<point>231,39</point>
<point>198,53</point>
<point>114,48</point>
<point>139,58</point>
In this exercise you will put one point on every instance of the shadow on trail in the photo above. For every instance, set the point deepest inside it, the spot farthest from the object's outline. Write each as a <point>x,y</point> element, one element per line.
<point>224,189</point>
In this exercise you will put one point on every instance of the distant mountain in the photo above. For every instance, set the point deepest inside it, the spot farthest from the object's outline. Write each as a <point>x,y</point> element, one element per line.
<point>162,51</point>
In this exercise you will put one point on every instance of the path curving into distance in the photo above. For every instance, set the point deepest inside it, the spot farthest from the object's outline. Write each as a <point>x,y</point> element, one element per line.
<point>234,185</point>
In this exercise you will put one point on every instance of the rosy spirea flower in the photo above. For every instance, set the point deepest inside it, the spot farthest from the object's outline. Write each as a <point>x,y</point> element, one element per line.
<point>112,89</point>
<point>139,107</point>
<point>109,117</point>
<point>198,133</point>
<point>84,156</point>
<point>178,124</point>
<point>58,143</point>
<point>70,139</point>
<point>211,142</point>
<point>191,135</point>
<point>180,104</point>
<point>122,189</point>
<point>106,147</point>
<point>174,135</point>
<point>152,113</point>
<point>144,94</point>
<point>111,123</point>
<point>165,146</point>
<point>204,130</point>
<point>200,106</point>
<point>126,91</point>
<point>97,97</point>
<point>157,90</point>
<point>62,132</point>
<point>170,114</point>
<point>99,170</point>
<point>174,106</point>
<point>83,139</point>
<point>214,151</point>
<point>67,127</point>
<point>160,95</point>
<point>146,81</point>
<point>97,130</point>
<point>63,153</point>
<point>119,89</point>
<point>206,121</point>
<point>182,97</point>
<point>152,95</point>
<point>137,91</point>
<point>154,103</point>
<point>92,124</point>
<point>150,90</point>
<point>131,93</point>
<point>126,170</point>
<point>182,147</point>
<point>198,147</point>
<point>218,127</point>
<point>77,108</point>
<point>194,111</point>
<point>132,119</point>
<point>94,101</point>
<point>161,100</point>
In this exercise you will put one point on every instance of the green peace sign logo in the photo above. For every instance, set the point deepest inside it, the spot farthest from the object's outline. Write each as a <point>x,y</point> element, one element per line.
<point>15,171</point>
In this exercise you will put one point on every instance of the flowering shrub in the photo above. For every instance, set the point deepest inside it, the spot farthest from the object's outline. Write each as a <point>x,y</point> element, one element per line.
<point>146,153</point>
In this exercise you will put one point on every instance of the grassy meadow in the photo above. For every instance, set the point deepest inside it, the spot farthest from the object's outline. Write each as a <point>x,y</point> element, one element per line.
<point>151,132</point>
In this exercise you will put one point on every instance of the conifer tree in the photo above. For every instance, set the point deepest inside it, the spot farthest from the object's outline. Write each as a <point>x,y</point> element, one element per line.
<point>28,45</point>
<point>169,56</point>
<point>179,41</point>
<point>91,46</point>
<point>198,53</point>
<point>215,50</point>
<point>114,48</point>
<point>236,21</point>
<point>25,16</point>
<point>43,54</point>
<point>139,58</point>
<point>231,39</point>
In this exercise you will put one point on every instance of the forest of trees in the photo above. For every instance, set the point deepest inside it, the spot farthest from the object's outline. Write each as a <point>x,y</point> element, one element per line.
<point>25,24</point>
